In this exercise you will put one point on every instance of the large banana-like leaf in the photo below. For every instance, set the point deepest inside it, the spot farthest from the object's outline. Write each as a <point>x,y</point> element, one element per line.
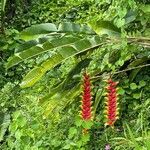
<point>69,82</point>
<point>30,44</point>
<point>34,48</point>
<point>36,31</point>
<point>53,106</point>
<point>61,53</point>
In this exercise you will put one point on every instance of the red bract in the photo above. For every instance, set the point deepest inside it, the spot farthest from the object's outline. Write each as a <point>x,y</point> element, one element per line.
<point>86,112</point>
<point>111,103</point>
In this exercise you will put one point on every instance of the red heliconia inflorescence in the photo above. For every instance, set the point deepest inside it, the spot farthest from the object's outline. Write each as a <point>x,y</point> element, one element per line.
<point>111,103</point>
<point>86,110</point>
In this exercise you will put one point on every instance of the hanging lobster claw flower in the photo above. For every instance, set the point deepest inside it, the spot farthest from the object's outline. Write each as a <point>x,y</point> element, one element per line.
<point>86,109</point>
<point>111,109</point>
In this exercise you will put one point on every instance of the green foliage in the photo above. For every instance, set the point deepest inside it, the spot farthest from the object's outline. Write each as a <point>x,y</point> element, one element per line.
<point>114,42</point>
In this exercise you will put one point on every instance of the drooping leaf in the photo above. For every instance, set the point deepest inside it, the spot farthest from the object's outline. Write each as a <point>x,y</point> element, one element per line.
<point>74,28</point>
<point>36,31</point>
<point>70,81</point>
<point>29,50</point>
<point>60,55</point>
<point>53,104</point>
<point>30,44</point>
<point>39,30</point>
<point>97,100</point>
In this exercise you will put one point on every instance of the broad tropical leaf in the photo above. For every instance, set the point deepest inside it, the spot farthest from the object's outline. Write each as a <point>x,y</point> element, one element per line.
<point>39,30</point>
<point>33,48</point>
<point>69,82</point>
<point>60,55</point>
<point>36,31</point>
<point>53,105</point>
<point>30,44</point>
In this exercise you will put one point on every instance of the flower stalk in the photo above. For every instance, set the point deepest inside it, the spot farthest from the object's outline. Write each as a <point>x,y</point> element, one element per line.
<point>86,109</point>
<point>111,109</point>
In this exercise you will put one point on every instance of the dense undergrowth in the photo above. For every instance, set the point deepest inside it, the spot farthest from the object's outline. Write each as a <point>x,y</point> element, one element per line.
<point>46,114</point>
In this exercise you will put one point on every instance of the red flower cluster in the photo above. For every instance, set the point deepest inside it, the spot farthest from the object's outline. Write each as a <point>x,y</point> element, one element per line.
<point>111,103</point>
<point>86,112</point>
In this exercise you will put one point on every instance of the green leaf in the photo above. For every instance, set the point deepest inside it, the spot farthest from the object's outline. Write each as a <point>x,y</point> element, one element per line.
<point>145,8</point>
<point>130,16</point>
<point>105,27</point>
<point>60,55</point>
<point>70,80</point>
<point>134,64</point>
<point>67,146</point>
<point>133,86</point>
<point>133,139</point>
<point>85,138</point>
<point>70,27</point>
<point>4,123</point>
<point>38,49</point>
<point>36,31</point>
<point>30,44</point>
<point>72,132</point>
<point>97,100</point>
<point>136,95</point>
<point>121,91</point>
<point>78,121</point>
<point>33,76</point>
<point>87,124</point>
<point>39,30</point>
<point>142,83</point>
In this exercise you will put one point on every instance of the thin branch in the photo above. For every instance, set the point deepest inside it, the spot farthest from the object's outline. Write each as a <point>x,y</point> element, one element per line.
<point>132,68</point>
<point>125,70</point>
